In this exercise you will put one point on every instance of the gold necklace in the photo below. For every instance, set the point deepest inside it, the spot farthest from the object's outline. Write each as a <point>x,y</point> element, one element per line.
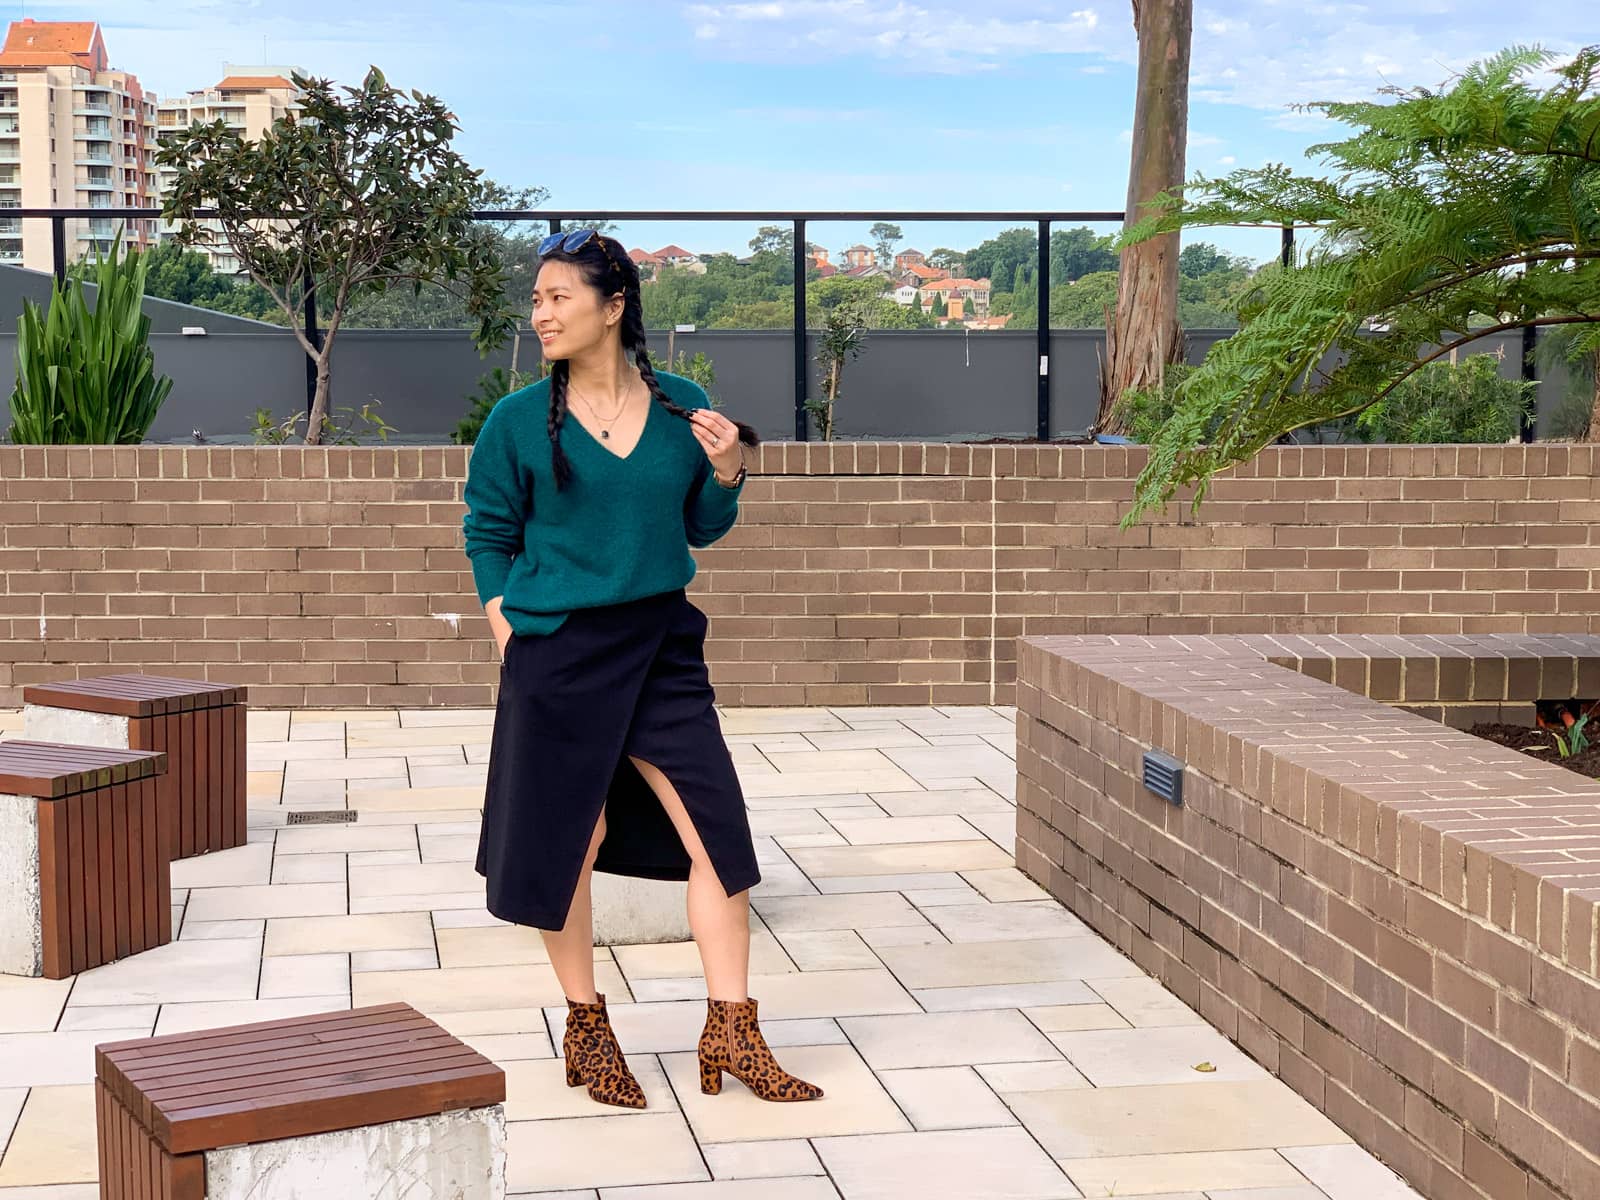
<point>605,424</point>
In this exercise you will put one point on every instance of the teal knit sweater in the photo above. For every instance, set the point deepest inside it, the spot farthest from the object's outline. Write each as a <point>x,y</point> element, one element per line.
<point>620,530</point>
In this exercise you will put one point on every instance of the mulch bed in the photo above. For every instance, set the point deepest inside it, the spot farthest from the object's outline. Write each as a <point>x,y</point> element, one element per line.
<point>1536,743</point>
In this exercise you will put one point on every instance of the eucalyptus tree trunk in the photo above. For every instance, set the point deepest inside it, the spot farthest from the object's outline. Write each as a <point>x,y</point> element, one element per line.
<point>1143,335</point>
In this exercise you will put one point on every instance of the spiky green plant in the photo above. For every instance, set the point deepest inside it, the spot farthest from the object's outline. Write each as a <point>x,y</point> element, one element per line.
<point>1450,213</point>
<point>88,377</point>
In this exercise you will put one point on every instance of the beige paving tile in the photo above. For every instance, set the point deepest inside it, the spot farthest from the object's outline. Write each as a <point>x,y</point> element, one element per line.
<point>925,898</point>
<point>473,776</point>
<point>35,1059</point>
<point>778,720</point>
<point>10,1109</point>
<point>762,1160</point>
<point>291,975</point>
<point>309,730</point>
<point>344,716</point>
<point>274,900</point>
<point>977,964</point>
<point>828,783</point>
<point>326,839</point>
<point>309,868</point>
<point>804,1188</point>
<point>510,1047</point>
<point>1347,1172</point>
<point>394,960</point>
<point>840,761</point>
<point>1130,1057</point>
<point>454,988</point>
<point>264,726</point>
<point>1006,1078</point>
<point>110,1016</point>
<point>947,1039</point>
<point>271,755</point>
<point>319,767</point>
<point>1020,921</point>
<point>918,881</point>
<point>496,945</point>
<point>408,738</point>
<point>54,1139</point>
<point>1302,1192</point>
<point>210,931</point>
<point>424,717</point>
<point>536,1090</point>
<point>867,910</point>
<point>1064,1018</point>
<point>829,950</point>
<point>607,1151</point>
<point>1144,1002</point>
<point>374,883</point>
<point>893,831</point>
<point>943,801</point>
<point>493,1021</point>
<point>344,934</point>
<point>681,960</point>
<point>185,1018</point>
<point>225,868</point>
<point>969,1164</point>
<point>829,994</point>
<point>854,1102</point>
<point>418,798</point>
<point>31,1005</point>
<point>946,1098</point>
<point>899,860</point>
<point>1005,886</point>
<point>1143,1175</point>
<point>454,847</point>
<point>1104,1122</point>
<point>932,763</point>
<point>856,738</point>
<point>904,935</point>
<point>179,971</point>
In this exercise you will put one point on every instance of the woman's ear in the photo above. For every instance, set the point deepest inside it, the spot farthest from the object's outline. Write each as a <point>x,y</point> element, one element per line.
<point>615,307</point>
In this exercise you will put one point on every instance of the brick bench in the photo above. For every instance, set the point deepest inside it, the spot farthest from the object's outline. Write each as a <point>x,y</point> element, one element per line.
<point>378,1102</point>
<point>200,725</point>
<point>84,875</point>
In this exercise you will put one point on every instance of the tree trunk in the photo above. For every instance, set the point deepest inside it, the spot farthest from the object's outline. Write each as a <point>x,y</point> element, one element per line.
<point>319,400</point>
<point>1593,434</point>
<point>1143,335</point>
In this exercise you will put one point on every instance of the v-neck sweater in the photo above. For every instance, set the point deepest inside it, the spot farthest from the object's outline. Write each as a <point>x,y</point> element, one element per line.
<point>621,528</point>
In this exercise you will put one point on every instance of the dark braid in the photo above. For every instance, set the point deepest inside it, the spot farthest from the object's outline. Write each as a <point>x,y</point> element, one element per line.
<point>606,267</point>
<point>557,417</point>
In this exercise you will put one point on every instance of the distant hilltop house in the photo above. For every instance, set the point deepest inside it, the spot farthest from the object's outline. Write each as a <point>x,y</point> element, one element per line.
<point>668,256</point>
<point>859,256</point>
<point>971,294</point>
<point>818,258</point>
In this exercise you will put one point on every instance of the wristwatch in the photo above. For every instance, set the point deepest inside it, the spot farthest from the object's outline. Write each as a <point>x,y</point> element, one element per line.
<point>737,479</point>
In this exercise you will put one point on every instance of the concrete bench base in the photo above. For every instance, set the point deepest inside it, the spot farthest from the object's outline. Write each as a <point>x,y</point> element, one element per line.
<point>632,912</point>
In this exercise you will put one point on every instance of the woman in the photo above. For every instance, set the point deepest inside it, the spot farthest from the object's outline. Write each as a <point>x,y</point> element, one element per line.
<point>585,493</point>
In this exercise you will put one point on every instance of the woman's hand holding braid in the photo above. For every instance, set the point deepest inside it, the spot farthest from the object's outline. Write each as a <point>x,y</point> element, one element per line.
<point>719,437</point>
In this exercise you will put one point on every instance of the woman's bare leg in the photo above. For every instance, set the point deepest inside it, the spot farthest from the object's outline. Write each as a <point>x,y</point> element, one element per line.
<point>720,922</point>
<point>571,949</point>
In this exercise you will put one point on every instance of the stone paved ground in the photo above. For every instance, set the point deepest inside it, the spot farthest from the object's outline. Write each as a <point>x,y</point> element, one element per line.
<point>975,1040</point>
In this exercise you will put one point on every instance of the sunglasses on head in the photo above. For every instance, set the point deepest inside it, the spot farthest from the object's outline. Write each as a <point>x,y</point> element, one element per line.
<point>570,243</point>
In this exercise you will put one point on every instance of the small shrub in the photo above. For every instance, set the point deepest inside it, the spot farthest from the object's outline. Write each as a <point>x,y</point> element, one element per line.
<point>269,431</point>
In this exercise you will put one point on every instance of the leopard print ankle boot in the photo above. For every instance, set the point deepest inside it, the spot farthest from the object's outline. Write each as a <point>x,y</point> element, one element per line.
<point>594,1058</point>
<point>732,1042</point>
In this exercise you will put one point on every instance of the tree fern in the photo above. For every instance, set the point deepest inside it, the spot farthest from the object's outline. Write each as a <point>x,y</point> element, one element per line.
<point>1448,213</point>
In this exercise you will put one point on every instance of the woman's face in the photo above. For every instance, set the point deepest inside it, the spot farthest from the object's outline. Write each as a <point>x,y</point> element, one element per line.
<point>569,316</point>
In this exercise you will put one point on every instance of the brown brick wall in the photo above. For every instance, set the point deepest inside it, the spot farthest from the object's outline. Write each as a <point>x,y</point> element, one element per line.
<point>859,574</point>
<point>1399,919</point>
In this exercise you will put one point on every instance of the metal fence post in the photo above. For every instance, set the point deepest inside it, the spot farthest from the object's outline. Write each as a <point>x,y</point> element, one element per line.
<point>802,371</point>
<point>1530,374</point>
<point>58,247</point>
<point>1286,252</point>
<point>1042,334</point>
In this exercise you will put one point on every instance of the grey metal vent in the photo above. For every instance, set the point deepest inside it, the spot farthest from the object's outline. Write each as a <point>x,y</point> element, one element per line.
<point>322,816</point>
<point>1163,775</point>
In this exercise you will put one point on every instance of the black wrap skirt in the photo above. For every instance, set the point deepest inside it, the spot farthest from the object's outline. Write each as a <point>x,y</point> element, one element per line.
<point>576,706</point>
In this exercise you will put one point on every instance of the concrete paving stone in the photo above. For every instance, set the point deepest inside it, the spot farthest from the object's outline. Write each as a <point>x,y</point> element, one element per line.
<point>900,859</point>
<point>289,975</point>
<point>373,883</point>
<point>947,1039</point>
<point>224,969</point>
<point>263,786</point>
<point>268,755</point>
<point>1130,1057</point>
<point>455,988</point>
<point>894,831</point>
<point>206,931</point>
<point>828,950</point>
<point>11,1100</point>
<point>1113,1122</point>
<point>801,841</point>
<point>999,828</point>
<point>922,881</point>
<point>322,769</point>
<point>493,1021</point>
<point>854,1102</point>
<point>1347,1172</point>
<point>946,1098</point>
<point>413,737</point>
<point>803,1188</point>
<point>380,858</point>
<point>54,1059</point>
<point>449,848</point>
<point>1303,1191</point>
<point>857,738</point>
<point>681,960</point>
<point>940,897</point>
<point>328,839</point>
<point>344,716</point>
<point>737,721</point>
<point>944,801</point>
<point>1005,886</point>
<point>465,918</point>
<point>185,1018</point>
<point>508,1047</point>
<point>394,960</point>
<point>905,935</point>
<point>866,910</point>
<point>1007,1078</point>
<point>1020,921</point>
<point>829,783</point>
<point>54,1139</point>
<point>602,1151</point>
<point>110,1016</point>
<point>762,1160</point>
<point>497,945</point>
<point>1063,1018</point>
<point>310,868</point>
<point>273,900</point>
<point>463,798</point>
<point>30,1005</point>
<point>1141,1175</point>
<point>424,717</point>
<point>347,934</point>
<point>225,868</point>
<point>536,1090</point>
<point>967,1164</point>
<point>317,731</point>
<point>977,964</point>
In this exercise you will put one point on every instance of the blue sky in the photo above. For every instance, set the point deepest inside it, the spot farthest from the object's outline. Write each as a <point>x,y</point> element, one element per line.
<point>830,104</point>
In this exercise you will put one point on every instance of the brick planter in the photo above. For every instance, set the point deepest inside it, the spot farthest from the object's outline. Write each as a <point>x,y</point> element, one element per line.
<point>1398,918</point>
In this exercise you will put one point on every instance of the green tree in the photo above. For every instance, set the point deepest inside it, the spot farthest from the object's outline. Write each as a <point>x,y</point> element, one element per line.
<point>1201,258</point>
<point>365,192</point>
<point>999,257</point>
<point>1077,252</point>
<point>945,259</point>
<point>884,237</point>
<point>773,239</point>
<point>1452,213</point>
<point>940,308</point>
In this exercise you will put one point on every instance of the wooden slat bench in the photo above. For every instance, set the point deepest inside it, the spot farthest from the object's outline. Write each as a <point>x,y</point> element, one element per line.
<point>200,725</point>
<point>376,1102</point>
<point>84,874</point>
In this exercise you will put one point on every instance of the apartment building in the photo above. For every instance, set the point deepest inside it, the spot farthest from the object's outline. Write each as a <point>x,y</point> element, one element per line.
<point>73,134</point>
<point>249,99</point>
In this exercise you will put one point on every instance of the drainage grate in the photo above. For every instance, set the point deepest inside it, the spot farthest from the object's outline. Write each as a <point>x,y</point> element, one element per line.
<point>322,816</point>
<point>1163,775</point>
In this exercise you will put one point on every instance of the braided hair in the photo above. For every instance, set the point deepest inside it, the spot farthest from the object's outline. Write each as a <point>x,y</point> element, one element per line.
<point>606,267</point>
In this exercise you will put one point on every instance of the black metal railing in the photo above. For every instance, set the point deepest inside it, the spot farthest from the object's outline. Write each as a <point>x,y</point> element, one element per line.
<point>58,217</point>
